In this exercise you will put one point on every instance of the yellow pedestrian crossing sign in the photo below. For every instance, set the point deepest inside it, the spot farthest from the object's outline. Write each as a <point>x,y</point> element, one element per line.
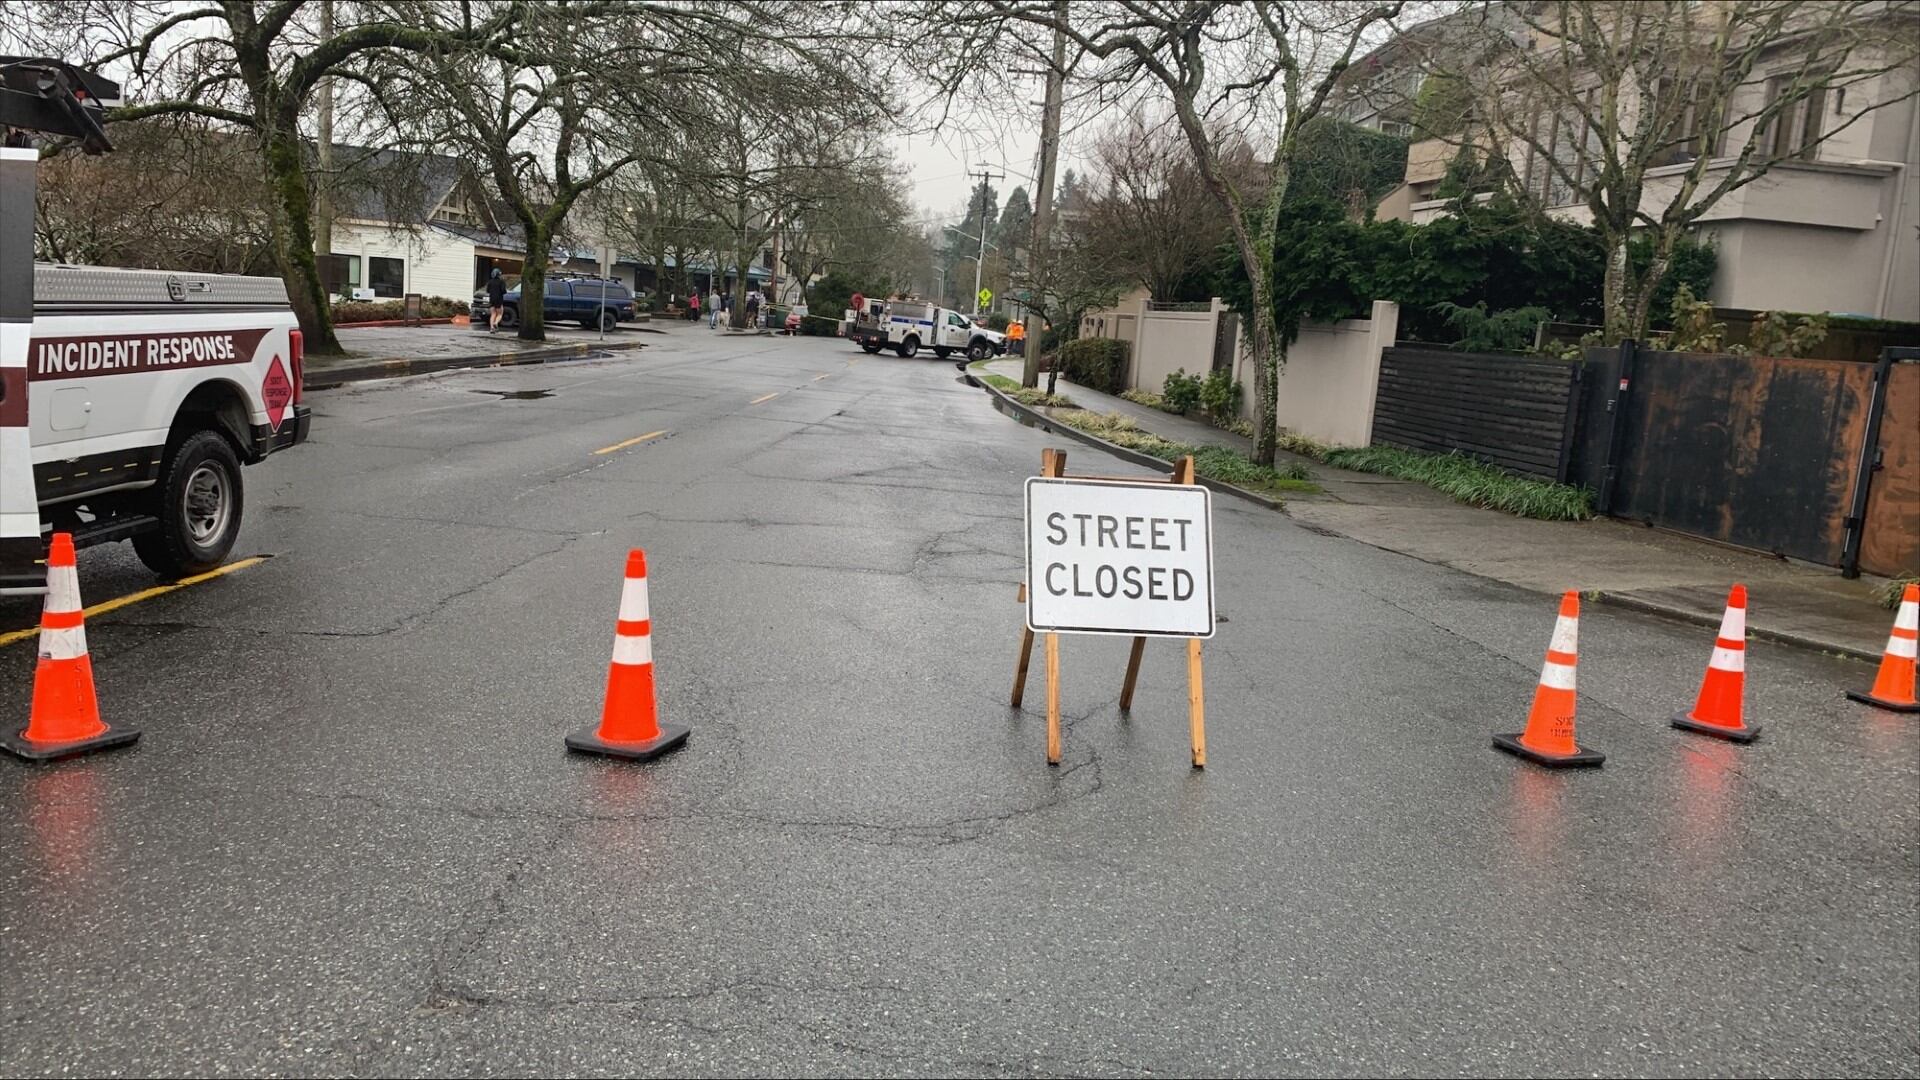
<point>986,297</point>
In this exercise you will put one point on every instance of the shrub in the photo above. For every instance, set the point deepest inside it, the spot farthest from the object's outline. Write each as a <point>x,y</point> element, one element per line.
<point>1097,363</point>
<point>1500,331</point>
<point>1220,396</point>
<point>1146,397</point>
<point>1773,335</point>
<point>1693,327</point>
<point>431,307</point>
<point>998,322</point>
<point>1181,392</point>
<point>1212,462</point>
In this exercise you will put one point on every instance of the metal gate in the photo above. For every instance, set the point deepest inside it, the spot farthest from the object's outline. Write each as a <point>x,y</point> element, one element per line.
<point>1760,452</point>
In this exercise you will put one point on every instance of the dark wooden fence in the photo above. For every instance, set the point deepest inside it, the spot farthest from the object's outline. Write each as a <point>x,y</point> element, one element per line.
<point>1516,412</point>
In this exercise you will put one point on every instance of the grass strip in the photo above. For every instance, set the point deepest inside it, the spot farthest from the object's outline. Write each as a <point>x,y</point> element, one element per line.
<point>1213,462</point>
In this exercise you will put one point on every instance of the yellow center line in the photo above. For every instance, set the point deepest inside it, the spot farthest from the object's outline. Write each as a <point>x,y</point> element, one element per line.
<point>630,442</point>
<point>145,594</point>
<point>764,397</point>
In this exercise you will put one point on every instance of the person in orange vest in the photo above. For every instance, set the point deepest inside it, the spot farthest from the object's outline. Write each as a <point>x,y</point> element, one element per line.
<point>1017,338</point>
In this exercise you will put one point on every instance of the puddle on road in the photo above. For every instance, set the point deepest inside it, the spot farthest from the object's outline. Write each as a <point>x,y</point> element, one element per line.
<point>516,395</point>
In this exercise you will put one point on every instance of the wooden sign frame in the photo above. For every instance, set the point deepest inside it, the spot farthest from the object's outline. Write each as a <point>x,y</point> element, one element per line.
<point>1053,464</point>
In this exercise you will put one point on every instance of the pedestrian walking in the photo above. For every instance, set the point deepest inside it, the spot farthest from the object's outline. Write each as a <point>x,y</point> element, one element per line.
<point>496,299</point>
<point>713,307</point>
<point>753,308</point>
<point>693,307</point>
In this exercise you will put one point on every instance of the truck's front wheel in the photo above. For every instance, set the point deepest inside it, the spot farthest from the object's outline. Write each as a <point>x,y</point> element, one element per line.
<point>199,502</point>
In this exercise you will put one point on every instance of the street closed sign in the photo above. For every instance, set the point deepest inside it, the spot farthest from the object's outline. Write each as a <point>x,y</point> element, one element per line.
<point>1111,557</point>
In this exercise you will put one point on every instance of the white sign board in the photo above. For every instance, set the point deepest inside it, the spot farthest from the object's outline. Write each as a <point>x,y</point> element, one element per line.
<point>1110,557</point>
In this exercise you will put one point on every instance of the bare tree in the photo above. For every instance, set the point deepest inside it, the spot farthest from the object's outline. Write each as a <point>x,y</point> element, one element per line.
<point>1266,66</point>
<point>853,219</point>
<point>1150,208</point>
<point>251,66</point>
<point>557,99</point>
<point>1649,114</point>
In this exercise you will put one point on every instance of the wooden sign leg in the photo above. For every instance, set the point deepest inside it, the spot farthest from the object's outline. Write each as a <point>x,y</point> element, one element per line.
<point>1133,673</point>
<point>1196,705</point>
<point>1053,699</point>
<point>1026,654</point>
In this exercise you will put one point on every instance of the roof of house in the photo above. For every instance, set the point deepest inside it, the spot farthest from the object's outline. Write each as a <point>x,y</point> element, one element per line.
<point>401,186</point>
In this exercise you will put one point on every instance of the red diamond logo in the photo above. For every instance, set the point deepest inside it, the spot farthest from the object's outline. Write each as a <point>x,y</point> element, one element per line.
<point>278,391</point>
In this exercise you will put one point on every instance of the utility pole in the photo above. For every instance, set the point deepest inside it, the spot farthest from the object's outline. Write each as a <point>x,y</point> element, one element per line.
<point>323,195</point>
<point>981,262</point>
<point>1043,211</point>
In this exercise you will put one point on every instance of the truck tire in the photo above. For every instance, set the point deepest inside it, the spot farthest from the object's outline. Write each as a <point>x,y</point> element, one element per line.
<point>199,502</point>
<point>609,320</point>
<point>870,347</point>
<point>509,317</point>
<point>909,348</point>
<point>979,349</point>
<point>942,351</point>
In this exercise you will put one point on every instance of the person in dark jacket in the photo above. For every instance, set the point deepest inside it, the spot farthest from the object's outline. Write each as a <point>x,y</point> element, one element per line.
<point>496,299</point>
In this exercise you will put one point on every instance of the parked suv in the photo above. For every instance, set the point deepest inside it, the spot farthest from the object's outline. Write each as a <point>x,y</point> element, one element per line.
<point>590,301</point>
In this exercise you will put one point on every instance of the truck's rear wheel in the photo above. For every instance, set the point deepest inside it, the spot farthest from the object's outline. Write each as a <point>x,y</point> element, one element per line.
<point>199,502</point>
<point>909,348</point>
<point>509,317</point>
<point>609,321</point>
<point>869,347</point>
<point>942,351</point>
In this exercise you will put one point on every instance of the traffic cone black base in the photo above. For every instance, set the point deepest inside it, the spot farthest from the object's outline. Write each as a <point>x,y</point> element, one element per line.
<point>16,743</point>
<point>1580,758</point>
<point>588,741</point>
<point>1881,703</point>
<point>1744,734</point>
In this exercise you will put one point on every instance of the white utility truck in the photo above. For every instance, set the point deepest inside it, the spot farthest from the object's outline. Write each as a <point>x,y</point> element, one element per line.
<point>128,398</point>
<point>907,326</point>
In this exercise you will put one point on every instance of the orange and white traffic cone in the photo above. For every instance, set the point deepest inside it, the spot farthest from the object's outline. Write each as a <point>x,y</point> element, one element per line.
<point>65,720</point>
<point>1548,739</point>
<point>1718,712</point>
<point>1893,689</point>
<point>629,725</point>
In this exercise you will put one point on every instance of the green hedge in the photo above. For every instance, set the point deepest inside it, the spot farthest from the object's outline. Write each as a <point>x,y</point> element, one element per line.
<point>1097,363</point>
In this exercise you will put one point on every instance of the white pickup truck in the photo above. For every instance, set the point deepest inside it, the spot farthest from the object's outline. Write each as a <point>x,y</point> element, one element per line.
<point>907,326</point>
<point>128,398</point>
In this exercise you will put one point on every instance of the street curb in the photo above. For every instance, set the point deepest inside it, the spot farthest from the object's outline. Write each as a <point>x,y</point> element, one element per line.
<point>1633,603</point>
<point>401,367</point>
<point>1701,618</point>
<point>1021,412</point>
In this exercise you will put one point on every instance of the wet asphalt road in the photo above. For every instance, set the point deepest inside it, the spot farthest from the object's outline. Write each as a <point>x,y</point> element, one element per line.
<point>351,842</point>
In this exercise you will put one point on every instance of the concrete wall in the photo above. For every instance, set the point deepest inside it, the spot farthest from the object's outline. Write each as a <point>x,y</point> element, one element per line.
<point>1173,340</point>
<point>1326,391</point>
<point>437,263</point>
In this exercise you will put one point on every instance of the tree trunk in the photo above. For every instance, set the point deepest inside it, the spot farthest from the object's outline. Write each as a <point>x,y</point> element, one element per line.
<point>1266,370</point>
<point>293,235</point>
<point>1618,291</point>
<point>1641,308</point>
<point>533,282</point>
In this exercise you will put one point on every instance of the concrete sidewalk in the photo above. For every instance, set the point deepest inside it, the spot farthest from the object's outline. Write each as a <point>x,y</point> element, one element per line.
<point>1605,559</point>
<point>386,352</point>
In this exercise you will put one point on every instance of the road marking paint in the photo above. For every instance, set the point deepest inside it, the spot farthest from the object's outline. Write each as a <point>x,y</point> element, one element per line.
<point>630,442</point>
<point>145,594</point>
<point>765,397</point>
<point>822,375</point>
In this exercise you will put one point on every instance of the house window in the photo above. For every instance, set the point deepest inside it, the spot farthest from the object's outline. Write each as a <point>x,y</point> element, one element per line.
<point>339,274</point>
<point>1687,138</point>
<point>1562,155</point>
<point>1794,131</point>
<point>388,277</point>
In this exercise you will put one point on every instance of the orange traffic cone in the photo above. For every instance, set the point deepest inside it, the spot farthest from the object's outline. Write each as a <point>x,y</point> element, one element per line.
<point>66,717</point>
<point>1893,689</point>
<point>629,726</point>
<point>1548,739</point>
<point>1718,712</point>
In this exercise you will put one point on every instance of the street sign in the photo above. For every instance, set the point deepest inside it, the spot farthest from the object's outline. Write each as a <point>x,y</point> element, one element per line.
<point>277,391</point>
<point>1119,557</point>
<point>986,297</point>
